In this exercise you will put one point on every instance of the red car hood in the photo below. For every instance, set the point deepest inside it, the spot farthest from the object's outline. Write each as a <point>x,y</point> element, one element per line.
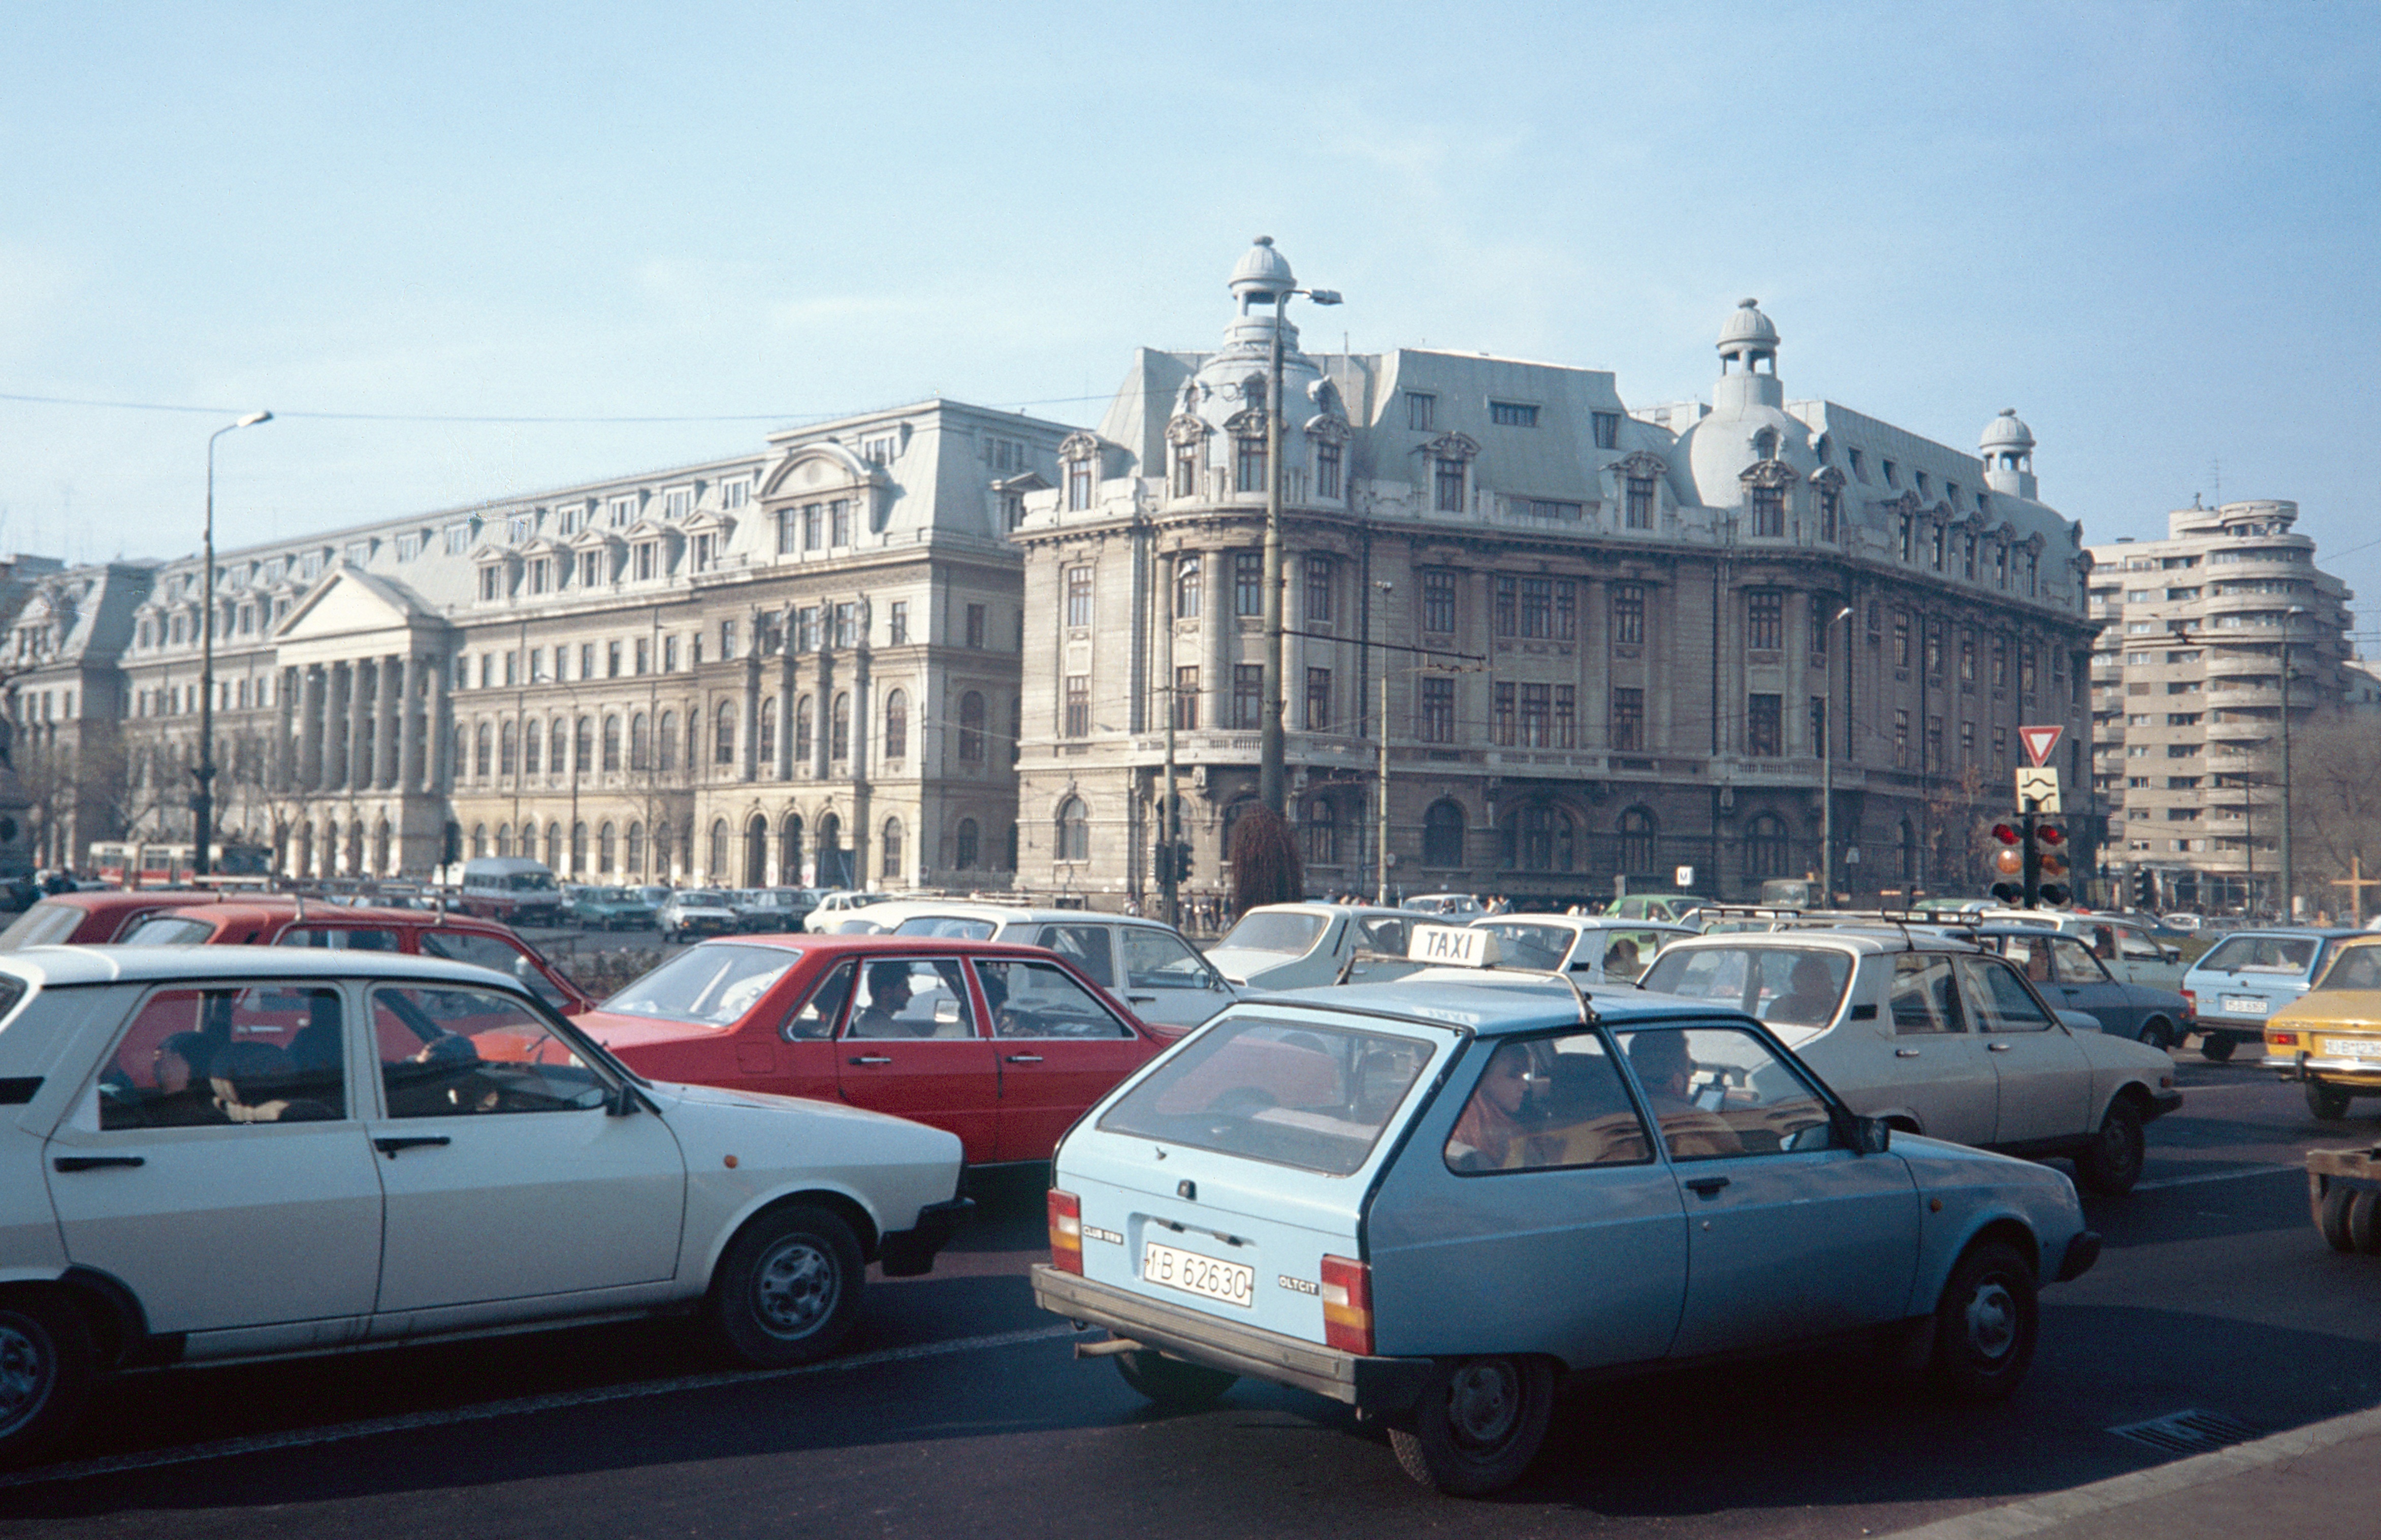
<point>617,1032</point>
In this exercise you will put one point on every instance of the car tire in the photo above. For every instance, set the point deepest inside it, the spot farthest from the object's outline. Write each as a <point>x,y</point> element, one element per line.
<point>47,1367</point>
<point>1170,1383</point>
<point>2158,1033</point>
<point>1985,1324</point>
<point>2216,1048</point>
<point>2326,1102</point>
<point>2112,1162</point>
<point>788,1289</point>
<point>1478,1424</point>
<point>2364,1222</point>
<point>2331,1218</point>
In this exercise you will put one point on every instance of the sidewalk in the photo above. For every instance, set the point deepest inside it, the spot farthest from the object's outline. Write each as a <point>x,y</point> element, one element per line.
<point>2314,1483</point>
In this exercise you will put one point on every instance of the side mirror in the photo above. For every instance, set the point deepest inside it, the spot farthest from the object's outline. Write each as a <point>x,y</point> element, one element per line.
<point>623,1102</point>
<point>1868,1135</point>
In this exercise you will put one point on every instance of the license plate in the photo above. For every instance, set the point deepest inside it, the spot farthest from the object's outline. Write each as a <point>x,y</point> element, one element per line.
<point>2351,1047</point>
<point>2246,1005</point>
<point>1202,1275</point>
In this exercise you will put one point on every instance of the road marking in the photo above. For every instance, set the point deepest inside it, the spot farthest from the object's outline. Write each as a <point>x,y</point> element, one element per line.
<point>2213,1176</point>
<point>2037,1514</point>
<point>300,1439</point>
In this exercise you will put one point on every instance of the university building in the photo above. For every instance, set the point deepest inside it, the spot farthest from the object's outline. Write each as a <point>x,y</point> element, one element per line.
<point>1613,641</point>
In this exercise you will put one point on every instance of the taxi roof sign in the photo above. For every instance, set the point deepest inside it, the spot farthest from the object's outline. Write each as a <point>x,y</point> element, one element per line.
<point>1454,947</point>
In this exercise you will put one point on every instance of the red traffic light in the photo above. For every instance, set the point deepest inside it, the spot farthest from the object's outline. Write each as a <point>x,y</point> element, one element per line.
<point>2006,834</point>
<point>2050,834</point>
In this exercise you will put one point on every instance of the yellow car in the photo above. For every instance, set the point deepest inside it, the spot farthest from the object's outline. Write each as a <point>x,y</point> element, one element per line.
<point>2331,1037</point>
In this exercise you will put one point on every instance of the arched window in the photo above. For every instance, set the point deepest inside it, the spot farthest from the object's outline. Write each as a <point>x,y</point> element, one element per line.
<point>507,748</point>
<point>789,849</point>
<point>970,846</point>
<point>802,731</point>
<point>666,757</point>
<point>765,745</point>
<point>830,851</point>
<point>582,758</point>
<point>717,868</point>
<point>1322,834</point>
<point>1442,835</point>
<point>532,745</point>
<point>483,746</point>
<point>889,841</point>
<point>897,724</point>
<point>1189,588</point>
<point>578,847</point>
<point>478,839</point>
<point>1015,727</point>
<point>605,848</point>
<point>724,751</point>
<point>1009,846</point>
<point>839,731</point>
<point>1074,830</point>
<point>557,747</point>
<point>611,744</point>
<point>1766,847</point>
<point>640,745</point>
<point>756,852</point>
<point>552,844</point>
<point>504,840</point>
<point>1637,842</point>
<point>635,864</point>
<point>972,729</point>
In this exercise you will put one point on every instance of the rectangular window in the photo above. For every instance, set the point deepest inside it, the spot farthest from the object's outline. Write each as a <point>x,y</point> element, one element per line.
<point>789,531</point>
<point>1079,705</point>
<point>846,625</point>
<point>1186,469</point>
<point>2025,669</point>
<point>839,519</point>
<point>1935,647</point>
<point>1326,469</point>
<point>1079,597</point>
<point>1967,657</point>
<point>1901,740</point>
<point>1769,511</point>
<point>1765,620</point>
<point>1640,515</point>
<point>975,614</point>
<point>806,632</point>
<point>1537,716</point>
<point>1512,414</point>
<point>458,540</point>
<point>624,510</point>
<point>677,501</point>
<point>1538,607</point>
<point>1933,743</point>
<point>1628,614</point>
<point>1185,699</point>
<point>648,560</point>
<point>1819,726</point>
<point>1902,639</point>
<point>1422,409</point>
<point>1438,711</point>
<point>896,623</point>
<point>1831,511</point>
<point>735,493</point>
<point>1507,606</point>
<point>611,660</point>
<point>1566,715</point>
<point>1318,591</point>
<point>1967,743</point>
<point>1248,582</point>
<point>1318,700</point>
<point>669,654</point>
<point>1438,603</point>
<point>1249,459</point>
<point>814,526</point>
<point>726,639</point>
<point>1451,485</point>
<point>1607,429</point>
<point>1628,721</point>
<point>706,551</point>
<point>492,586</point>
<point>1079,485</point>
<point>1764,726</point>
<point>1248,696</point>
<point>1503,696</point>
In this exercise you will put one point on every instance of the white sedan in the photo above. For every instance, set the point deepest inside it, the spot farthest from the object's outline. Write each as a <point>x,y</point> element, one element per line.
<point>230,1153</point>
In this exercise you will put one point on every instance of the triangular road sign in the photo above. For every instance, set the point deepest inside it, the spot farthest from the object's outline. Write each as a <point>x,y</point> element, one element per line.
<point>2039,741</point>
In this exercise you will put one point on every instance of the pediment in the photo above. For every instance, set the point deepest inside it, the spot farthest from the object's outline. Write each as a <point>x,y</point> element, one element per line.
<point>348,603</point>
<point>817,468</point>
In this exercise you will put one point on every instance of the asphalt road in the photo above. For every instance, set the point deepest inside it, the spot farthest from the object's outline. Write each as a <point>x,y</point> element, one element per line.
<point>959,1407</point>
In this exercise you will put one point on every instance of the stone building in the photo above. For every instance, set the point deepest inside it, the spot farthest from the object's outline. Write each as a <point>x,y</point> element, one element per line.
<point>791,665</point>
<point>1611,637</point>
<point>2187,684</point>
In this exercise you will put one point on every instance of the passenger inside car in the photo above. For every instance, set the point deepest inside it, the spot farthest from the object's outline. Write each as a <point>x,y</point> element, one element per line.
<point>1813,989</point>
<point>1667,1069</point>
<point>888,995</point>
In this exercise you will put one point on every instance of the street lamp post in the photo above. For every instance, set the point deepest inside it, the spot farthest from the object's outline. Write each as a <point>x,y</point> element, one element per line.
<point>202,802</point>
<point>2288,904</point>
<point>1827,771</point>
<point>1271,781</point>
<point>1380,897</point>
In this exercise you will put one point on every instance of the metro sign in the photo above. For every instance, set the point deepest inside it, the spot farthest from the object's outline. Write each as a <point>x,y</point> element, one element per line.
<point>2039,741</point>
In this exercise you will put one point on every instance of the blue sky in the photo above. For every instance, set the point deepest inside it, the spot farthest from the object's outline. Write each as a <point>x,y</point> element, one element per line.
<point>2148,227</point>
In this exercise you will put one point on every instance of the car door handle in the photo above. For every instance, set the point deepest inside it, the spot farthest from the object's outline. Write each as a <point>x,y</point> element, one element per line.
<point>1025,1059</point>
<point>390,1146</point>
<point>1707,1187</point>
<point>92,1163</point>
<point>1905,1052</point>
<point>872,1059</point>
<point>2000,1047</point>
<point>1142,999</point>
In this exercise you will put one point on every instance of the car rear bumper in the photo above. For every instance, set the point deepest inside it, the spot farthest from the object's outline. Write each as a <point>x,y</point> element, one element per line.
<point>904,1253</point>
<point>1386,1386</point>
<point>2341,1071</point>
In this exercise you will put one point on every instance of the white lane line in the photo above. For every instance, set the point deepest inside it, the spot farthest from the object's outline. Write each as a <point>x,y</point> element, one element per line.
<point>2214,1176</point>
<point>2037,1514</point>
<point>300,1439</point>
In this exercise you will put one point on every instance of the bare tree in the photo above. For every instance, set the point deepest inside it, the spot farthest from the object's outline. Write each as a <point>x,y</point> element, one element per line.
<point>1955,821</point>
<point>2335,811</point>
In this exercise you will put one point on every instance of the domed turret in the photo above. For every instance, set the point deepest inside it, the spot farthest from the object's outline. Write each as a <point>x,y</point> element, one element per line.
<point>1748,330</point>
<point>1261,276</point>
<point>1746,343</point>
<point>2008,451</point>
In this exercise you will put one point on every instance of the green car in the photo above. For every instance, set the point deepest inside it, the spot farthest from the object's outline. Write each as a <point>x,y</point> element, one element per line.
<point>609,909</point>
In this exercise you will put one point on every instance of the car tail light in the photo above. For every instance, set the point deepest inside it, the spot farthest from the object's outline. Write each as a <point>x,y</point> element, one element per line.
<point>2189,1004</point>
<point>2281,1040</point>
<point>1347,1306</point>
<point>1066,1232</point>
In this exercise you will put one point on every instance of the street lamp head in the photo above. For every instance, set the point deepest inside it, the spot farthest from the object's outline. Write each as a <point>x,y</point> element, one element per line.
<point>1845,613</point>
<point>253,419</point>
<point>1324,296</point>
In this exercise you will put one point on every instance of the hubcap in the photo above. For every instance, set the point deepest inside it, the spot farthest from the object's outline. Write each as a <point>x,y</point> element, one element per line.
<point>1484,1402</point>
<point>25,1375</point>
<point>796,1287</point>
<point>2115,1148</point>
<point>1992,1320</point>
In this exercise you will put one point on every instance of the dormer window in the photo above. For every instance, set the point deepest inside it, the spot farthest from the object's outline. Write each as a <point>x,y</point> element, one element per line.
<point>458,540</point>
<point>1186,469</point>
<point>1637,512</point>
<point>310,566</point>
<point>706,551</point>
<point>541,575</point>
<point>1607,429</point>
<point>1422,411</point>
<point>1249,461</point>
<point>1078,482</point>
<point>623,510</point>
<point>1512,414</point>
<point>1892,474</point>
<point>1852,457</point>
<point>1921,484</point>
<point>735,493</point>
<point>591,568</point>
<point>1764,444</point>
<point>1769,511</point>
<point>569,519</point>
<point>1326,469</point>
<point>519,529</point>
<point>492,583</point>
<point>647,556</point>
<point>407,546</point>
<point>677,501</point>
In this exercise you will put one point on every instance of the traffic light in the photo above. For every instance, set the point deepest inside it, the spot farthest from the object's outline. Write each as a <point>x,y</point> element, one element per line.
<point>1182,861</point>
<point>2048,878</point>
<point>1162,864</point>
<point>2145,888</point>
<point>2009,864</point>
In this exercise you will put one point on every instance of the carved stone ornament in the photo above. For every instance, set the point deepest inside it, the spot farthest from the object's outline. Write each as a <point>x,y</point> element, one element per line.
<point>1187,428</point>
<point>1906,503</point>
<point>1451,447</point>
<point>1769,472</point>
<point>1828,479</point>
<point>1079,445</point>
<point>1251,389</point>
<point>1187,400</point>
<point>1326,397</point>
<point>1642,466</point>
<point>1328,428</point>
<point>1248,422</point>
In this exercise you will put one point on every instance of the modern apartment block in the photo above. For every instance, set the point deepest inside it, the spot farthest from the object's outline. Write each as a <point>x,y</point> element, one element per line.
<point>2204,637</point>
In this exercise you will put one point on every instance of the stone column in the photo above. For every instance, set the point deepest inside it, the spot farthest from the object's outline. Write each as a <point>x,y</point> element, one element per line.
<point>409,747</point>
<point>358,728</point>
<point>285,718</point>
<point>312,756</point>
<point>434,728</point>
<point>787,679</point>
<point>748,746</point>
<point>822,716</point>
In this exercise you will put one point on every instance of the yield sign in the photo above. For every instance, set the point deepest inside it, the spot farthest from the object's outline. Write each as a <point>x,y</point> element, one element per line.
<point>2039,741</point>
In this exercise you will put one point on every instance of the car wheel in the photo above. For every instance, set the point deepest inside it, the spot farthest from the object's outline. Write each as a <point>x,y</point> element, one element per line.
<point>2364,1222</point>
<point>1985,1325</point>
<point>1169,1382</point>
<point>47,1365</point>
<point>2216,1048</point>
<point>788,1289</point>
<point>1478,1424</point>
<point>2158,1033</point>
<point>2326,1102</point>
<point>2112,1162</point>
<point>2331,1217</point>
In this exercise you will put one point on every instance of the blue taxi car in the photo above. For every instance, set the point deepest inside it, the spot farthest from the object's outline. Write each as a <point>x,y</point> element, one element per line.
<point>1432,1200</point>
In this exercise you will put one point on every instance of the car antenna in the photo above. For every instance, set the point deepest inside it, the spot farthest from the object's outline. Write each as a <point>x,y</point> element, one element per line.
<point>300,917</point>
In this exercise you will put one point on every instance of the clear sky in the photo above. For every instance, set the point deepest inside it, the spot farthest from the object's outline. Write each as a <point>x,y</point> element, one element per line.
<point>2150,228</point>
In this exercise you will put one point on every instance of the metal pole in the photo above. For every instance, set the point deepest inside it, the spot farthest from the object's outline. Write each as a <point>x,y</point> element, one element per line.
<point>202,802</point>
<point>1169,824</point>
<point>1827,773</point>
<point>1271,778</point>
<point>1382,895</point>
<point>2289,904</point>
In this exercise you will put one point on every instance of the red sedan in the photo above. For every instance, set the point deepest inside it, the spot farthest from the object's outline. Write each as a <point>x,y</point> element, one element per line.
<point>98,916</point>
<point>1004,1046</point>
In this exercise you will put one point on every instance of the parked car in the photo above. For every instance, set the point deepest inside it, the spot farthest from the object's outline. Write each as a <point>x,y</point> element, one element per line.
<point>1434,1202</point>
<point>2329,1038</point>
<point>838,912</point>
<point>270,921</point>
<point>695,913</point>
<point>1668,908</point>
<point>611,909</point>
<point>1003,1045</point>
<point>1939,1038</point>
<point>247,1152</point>
<point>1147,963</point>
<point>96,915</point>
<point>514,889</point>
<point>1596,947</point>
<point>1457,906</point>
<point>2245,980</point>
<point>2125,945</point>
<point>1297,945</point>
<point>772,909</point>
<point>2066,972</point>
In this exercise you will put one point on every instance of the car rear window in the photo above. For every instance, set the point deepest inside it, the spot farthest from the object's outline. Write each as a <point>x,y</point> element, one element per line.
<point>44,924</point>
<point>1798,986</point>
<point>1288,933</point>
<point>2285,957</point>
<point>1529,946</point>
<point>165,931</point>
<point>1281,1092</point>
<point>2353,967</point>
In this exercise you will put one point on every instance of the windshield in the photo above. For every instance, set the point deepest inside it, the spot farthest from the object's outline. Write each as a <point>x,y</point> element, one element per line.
<point>710,985</point>
<point>2354,968</point>
<point>1289,932</point>
<point>703,901</point>
<point>945,925</point>
<point>2287,957</point>
<point>1291,1095</point>
<point>1783,985</point>
<point>44,924</point>
<point>531,882</point>
<point>1527,945</point>
<point>166,931</point>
